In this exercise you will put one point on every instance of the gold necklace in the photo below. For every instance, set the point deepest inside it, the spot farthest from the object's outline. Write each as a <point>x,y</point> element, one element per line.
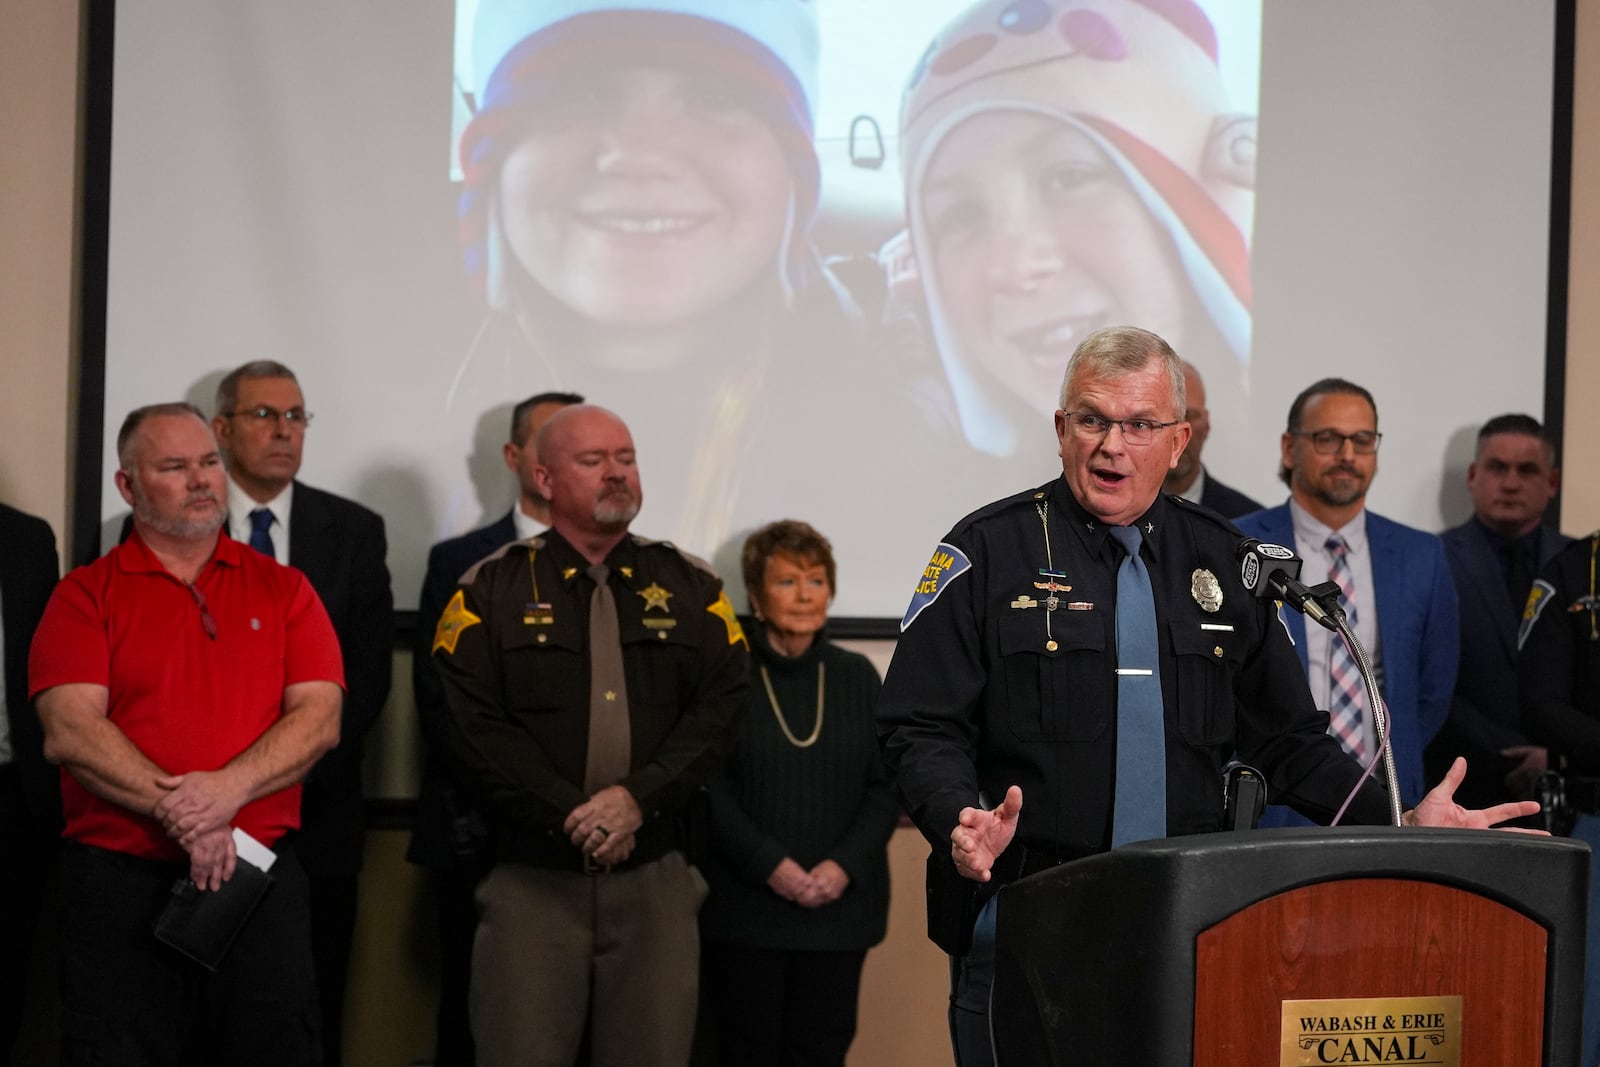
<point>772,698</point>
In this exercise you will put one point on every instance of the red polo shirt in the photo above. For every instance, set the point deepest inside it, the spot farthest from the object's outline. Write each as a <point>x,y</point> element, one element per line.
<point>187,700</point>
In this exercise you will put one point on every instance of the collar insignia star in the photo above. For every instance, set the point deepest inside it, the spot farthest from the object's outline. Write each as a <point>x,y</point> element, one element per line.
<point>655,597</point>
<point>568,573</point>
<point>1149,527</point>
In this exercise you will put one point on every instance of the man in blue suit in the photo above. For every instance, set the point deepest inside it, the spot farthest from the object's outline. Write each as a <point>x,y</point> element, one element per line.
<point>1494,557</point>
<point>448,835</point>
<point>1397,583</point>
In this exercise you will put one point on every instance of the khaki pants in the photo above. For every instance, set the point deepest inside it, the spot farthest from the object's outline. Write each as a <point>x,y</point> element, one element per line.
<point>555,949</point>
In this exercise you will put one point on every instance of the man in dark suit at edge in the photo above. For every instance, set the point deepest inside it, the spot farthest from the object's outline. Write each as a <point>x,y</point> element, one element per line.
<point>261,423</point>
<point>1189,479</point>
<point>448,836</point>
<point>30,790</point>
<point>1494,557</point>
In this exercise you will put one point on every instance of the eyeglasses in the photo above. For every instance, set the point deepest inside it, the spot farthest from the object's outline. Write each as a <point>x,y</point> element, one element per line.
<point>206,620</point>
<point>1330,442</point>
<point>1134,431</point>
<point>294,417</point>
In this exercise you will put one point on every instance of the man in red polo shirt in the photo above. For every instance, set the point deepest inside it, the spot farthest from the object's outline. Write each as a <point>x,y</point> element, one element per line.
<point>186,684</point>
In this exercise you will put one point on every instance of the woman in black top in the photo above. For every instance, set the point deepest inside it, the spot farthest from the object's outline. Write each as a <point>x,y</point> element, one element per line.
<point>801,820</point>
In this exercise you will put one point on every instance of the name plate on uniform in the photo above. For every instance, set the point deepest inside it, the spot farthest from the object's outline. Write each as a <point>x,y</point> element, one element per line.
<point>1420,1030</point>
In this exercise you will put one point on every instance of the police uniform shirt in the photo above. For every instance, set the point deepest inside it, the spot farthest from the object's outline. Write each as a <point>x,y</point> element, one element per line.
<point>512,653</point>
<point>1558,656</point>
<point>990,687</point>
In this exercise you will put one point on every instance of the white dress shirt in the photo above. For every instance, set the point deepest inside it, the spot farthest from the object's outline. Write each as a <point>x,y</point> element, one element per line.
<point>1197,488</point>
<point>526,525</point>
<point>241,504</point>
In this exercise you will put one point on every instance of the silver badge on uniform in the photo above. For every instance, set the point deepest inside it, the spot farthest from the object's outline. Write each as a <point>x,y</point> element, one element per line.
<point>1206,591</point>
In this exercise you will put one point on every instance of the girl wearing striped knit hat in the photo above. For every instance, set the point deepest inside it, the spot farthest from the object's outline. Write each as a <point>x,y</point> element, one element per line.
<point>1069,165</point>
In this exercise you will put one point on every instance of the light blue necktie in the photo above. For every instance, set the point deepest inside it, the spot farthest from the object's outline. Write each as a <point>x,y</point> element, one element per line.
<point>261,532</point>
<point>1141,792</point>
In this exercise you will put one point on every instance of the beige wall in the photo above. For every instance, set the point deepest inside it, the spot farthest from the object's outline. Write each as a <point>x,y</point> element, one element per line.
<point>903,994</point>
<point>39,83</point>
<point>1580,505</point>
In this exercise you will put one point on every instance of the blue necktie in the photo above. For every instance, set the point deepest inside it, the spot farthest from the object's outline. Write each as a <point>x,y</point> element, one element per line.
<point>261,532</point>
<point>1140,811</point>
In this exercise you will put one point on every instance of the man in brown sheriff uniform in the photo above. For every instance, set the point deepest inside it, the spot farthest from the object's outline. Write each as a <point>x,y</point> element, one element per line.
<point>594,681</point>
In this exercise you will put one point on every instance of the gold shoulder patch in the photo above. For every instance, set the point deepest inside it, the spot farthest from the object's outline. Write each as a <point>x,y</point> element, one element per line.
<point>723,609</point>
<point>456,618</point>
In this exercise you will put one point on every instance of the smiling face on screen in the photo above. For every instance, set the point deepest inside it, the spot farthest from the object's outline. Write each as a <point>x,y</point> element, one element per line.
<point>644,196</point>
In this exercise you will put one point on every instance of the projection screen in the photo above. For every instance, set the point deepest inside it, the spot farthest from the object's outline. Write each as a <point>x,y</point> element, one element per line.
<point>826,257</point>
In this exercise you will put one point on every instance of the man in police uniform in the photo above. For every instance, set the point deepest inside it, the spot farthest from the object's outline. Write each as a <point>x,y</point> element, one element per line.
<point>1006,682</point>
<point>593,681</point>
<point>1558,679</point>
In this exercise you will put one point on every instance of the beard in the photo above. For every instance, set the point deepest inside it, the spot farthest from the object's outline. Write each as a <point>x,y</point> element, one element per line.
<point>616,507</point>
<point>1340,494</point>
<point>187,529</point>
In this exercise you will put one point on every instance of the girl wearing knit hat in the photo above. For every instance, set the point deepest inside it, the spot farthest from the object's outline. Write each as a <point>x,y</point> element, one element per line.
<point>1071,165</point>
<point>640,178</point>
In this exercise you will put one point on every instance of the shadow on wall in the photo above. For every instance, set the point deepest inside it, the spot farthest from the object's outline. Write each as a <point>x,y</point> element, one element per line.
<point>494,486</point>
<point>725,561</point>
<point>1455,505</point>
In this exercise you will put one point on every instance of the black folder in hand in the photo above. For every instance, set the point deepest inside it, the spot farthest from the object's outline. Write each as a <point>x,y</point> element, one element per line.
<point>202,923</point>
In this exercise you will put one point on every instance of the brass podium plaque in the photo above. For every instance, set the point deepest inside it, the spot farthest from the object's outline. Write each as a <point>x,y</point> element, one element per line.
<point>1412,1030</point>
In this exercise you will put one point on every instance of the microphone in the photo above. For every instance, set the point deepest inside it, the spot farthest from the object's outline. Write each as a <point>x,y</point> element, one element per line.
<point>1244,796</point>
<point>1272,572</point>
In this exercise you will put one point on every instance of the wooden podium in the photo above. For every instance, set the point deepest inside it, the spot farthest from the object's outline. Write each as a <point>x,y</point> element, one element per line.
<point>1389,945</point>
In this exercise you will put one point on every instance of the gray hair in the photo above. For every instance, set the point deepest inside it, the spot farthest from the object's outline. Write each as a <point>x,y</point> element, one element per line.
<point>1119,350</point>
<point>228,388</point>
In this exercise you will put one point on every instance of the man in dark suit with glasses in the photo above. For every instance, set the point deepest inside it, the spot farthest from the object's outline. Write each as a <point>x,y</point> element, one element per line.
<point>261,422</point>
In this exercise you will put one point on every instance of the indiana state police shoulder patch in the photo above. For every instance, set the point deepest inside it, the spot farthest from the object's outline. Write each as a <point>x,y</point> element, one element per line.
<point>948,564</point>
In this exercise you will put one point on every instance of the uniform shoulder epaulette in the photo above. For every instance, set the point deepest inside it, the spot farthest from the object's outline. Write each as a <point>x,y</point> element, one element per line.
<point>498,554</point>
<point>696,561</point>
<point>1201,512</point>
<point>1028,497</point>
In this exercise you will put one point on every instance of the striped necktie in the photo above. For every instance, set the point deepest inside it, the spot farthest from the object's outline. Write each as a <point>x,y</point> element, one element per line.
<point>1347,699</point>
